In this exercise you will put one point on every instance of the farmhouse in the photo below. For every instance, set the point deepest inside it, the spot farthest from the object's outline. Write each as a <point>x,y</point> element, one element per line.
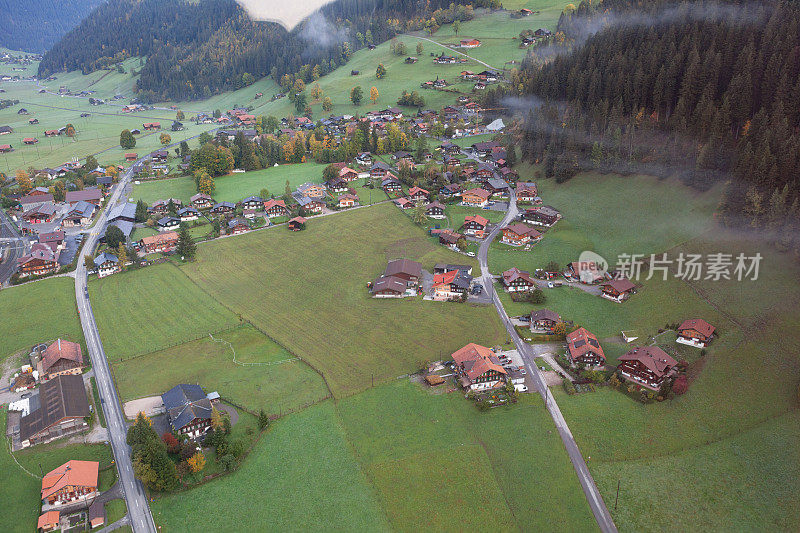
<point>478,368</point>
<point>405,269</point>
<point>475,197</point>
<point>617,290</point>
<point>70,482</point>
<point>126,212</point>
<point>131,157</point>
<point>312,190</point>
<point>418,194</point>
<point>648,366</point>
<point>169,223</point>
<point>54,239</point>
<point>189,410</point>
<point>45,212</point>
<point>526,191</point>
<point>30,140</point>
<point>450,190</point>
<point>39,261</point>
<point>297,224</point>
<point>585,271</point>
<point>390,184</point>
<point>544,319</point>
<point>313,205</point>
<point>80,214</point>
<point>541,215</point>
<point>6,148</point>
<point>496,186</point>
<point>222,208</point>
<point>470,43</point>
<point>390,287</point>
<point>60,359</point>
<point>584,348</point>
<point>106,264</point>
<point>516,280</point>
<point>337,185</point>
<point>450,284</point>
<point>61,408</point>
<point>474,225</point>
<point>448,238</point>
<point>519,234</point>
<point>151,126</point>
<point>93,196</point>
<point>253,202</point>
<point>201,201</point>
<point>434,210</point>
<point>378,170</point>
<point>276,208</point>
<point>695,332</point>
<point>364,158</point>
<point>49,521</point>
<point>237,226</point>
<point>188,214</point>
<point>348,174</point>
<point>348,200</point>
<point>163,242</point>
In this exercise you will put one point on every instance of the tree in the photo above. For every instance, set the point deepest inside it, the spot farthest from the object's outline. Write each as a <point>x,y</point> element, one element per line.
<point>91,163</point>
<point>263,420</point>
<point>186,247</point>
<point>69,130</point>
<point>419,216</point>
<point>184,149</point>
<point>172,444</point>
<point>552,266</point>
<point>419,48</point>
<point>122,255</point>
<point>227,462</point>
<point>537,296</point>
<point>216,419</point>
<point>316,92</point>
<point>560,328</point>
<point>88,261</point>
<point>380,72</point>
<point>681,385</point>
<point>127,140</point>
<point>327,104</point>
<point>114,237</point>
<point>300,102</point>
<point>330,172</point>
<point>356,94</point>
<point>287,189</point>
<point>165,139</point>
<point>373,94</point>
<point>204,138</point>
<point>24,181</point>
<point>264,193</point>
<point>456,26</point>
<point>196,462</point>
<point>179,115</point>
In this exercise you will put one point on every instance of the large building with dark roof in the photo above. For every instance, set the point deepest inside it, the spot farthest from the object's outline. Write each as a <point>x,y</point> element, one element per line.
<point>189,410</point>
<point>61,407</point>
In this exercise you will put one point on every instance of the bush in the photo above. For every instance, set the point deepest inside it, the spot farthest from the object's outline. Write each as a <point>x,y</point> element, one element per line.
<point>569,388</point>
<point>681,385</point>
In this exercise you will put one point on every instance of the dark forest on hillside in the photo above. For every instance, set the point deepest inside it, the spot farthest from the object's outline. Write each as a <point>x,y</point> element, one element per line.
<point>35,25</point>
<point>706,91</point>
<point>196,50</point>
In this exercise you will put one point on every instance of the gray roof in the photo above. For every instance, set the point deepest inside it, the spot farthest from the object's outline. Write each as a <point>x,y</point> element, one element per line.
<point>126,210</point>
<point>59,398</point>
<point>124,225</point>
<point>184,403</point>
<point>166,220</point>
<point>105,257</point>
<point>84,209</point>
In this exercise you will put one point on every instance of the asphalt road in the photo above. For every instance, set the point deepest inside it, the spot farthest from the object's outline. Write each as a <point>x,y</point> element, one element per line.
<point>595,500</point>
<point>12,247</point>
<point>138,509</point>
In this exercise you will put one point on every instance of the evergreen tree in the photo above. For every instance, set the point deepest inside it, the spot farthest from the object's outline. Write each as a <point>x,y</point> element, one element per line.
<point>127,140</point>
<point>186,247</point>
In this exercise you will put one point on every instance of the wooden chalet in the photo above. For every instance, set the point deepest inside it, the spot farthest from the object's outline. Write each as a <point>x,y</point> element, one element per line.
<point>297,224</point>
<point>478,368</point>
<point>584,348</point>
<point>39,261</point>
<point>526,191</point>
<point>647,366</point>
<point>418,194</point>
<point>169,223</point>
<point>390,287</point>
<point>519,234</point>
<point>585,271</point>
<point>151,126</point>
<point>237,226</point>
<point>405,269</point>
<point>106,264</point>
<point>62,410</point>
<point>223,208</point>
<point>348,200</point>
<point>541,215</point>
<point>276,208</point>
<point>435,210</point>
<point>516,280</point>
<point>474,225</point>
<point>617,290</point>
<point>695,332</point>
<point>71,482</point>
<point>475,197</point>
<point>253,202</point>
<point>188,409</point>
<point>544,319</point>
<point>202,201</point>
<point>160,243</point>
<point>61,358</point>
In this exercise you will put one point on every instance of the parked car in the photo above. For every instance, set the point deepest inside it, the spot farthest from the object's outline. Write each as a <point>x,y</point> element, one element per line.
<point>471,254</point>
<point>521,387</point>
<point>522,370</point>
<point>524,318</point>
<point>550,285</point>
<point>477,289</point>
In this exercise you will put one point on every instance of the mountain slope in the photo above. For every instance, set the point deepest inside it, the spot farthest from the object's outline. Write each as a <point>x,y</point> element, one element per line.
<point>35,25</point>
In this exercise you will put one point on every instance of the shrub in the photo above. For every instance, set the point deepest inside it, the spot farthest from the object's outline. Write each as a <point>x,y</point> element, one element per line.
<point>569,388</point>
<point>681,385</point>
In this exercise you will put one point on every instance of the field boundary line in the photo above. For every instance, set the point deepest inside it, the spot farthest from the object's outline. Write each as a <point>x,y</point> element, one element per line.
<point>261,363</point>
<point>11,453</point>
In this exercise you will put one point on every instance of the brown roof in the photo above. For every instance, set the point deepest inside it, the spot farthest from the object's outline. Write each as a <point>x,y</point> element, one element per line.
<point>513,274</point>
<point>521,229</point>
<point>580,342</point>
<point>699,325</point>
<point>61,349</point>
<point>483,193</point>
<point>654,358</point>
<point>59,398</point>
<point>620,285</point>
<point>85,194</point>
<point>71,473</point>
<point>477,219</point>
<point>476,360</point>
<point>389,283</point>
<point>545,314</point>
<point>403,266</point>
<point>160,238</point>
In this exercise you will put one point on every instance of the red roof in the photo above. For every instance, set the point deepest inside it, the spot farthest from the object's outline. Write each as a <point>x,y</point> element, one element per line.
<point>699,325</point>
<point>415,190</point>
<point>476,360</point>
<point>477,219</point>
<point>273,202</point>
<point>521,229</point>
<point>49,519</point>
<point>513,274</point>
<point>581,341</point>
<point>652,357</point>
<point>445,278</point>
<point>77,473</point>
<point>61,349</point>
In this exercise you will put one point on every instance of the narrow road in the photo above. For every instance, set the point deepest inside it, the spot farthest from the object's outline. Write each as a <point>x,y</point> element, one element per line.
<point>487,65</point>
<point>12,247</point>
<point>593,496</point>
<point>138,509</point>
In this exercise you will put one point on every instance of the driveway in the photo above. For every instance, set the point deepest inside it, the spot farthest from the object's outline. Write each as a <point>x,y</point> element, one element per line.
<point>68,253</point>
<point>151,406</point>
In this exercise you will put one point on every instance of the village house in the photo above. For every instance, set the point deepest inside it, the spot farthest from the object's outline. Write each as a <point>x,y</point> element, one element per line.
<point>484,172</point>
<point>450,284</point>
<point>60,359</point>
<point>390,287</point>
<point>448,238</point>
<point>189,410</point>
<point>39,261</point>
<point>585,271</point>
<point>202,201</point>
<point>222,208</point>
<point>151,126</point>
<point>544,320</point>
<point>435,210</point>
<point>40,214</point>
<point>404,203</point>
<point>478,368</point>
<point>541,215</point>
<point>378,170</point>
<point>6,148</point>
<point>276,208</point>
<point>648,366</point>
<point>30,140</point>
<point>93,196</point>
<point>474,225</point>
<point>484,149</point>
<point>169,223</point>
<point>348,200</point>
<point>312,190</point>
<point>253,202</point>
<point>160,243</point>
<point>53,239</point>
<point>106,264</point>
<point>309,205</point>
<point>49,521</point>
<point>81,214</point>
<point>237,226</point>
<point>516,280</point>
<point>297,224</point>
<point>450,190</point>
<point>475,197</point>
<point>617,290</point>
<point>391,185</point>
<point>519,234</point>
<point>418,194</point>
<point>364,158</point>
<point>348,174</point>
<point>188,214</point>
<point>337,185</point>
<point>584,348</point>
<point>496,186</point>
<point>71,482</point>
<point>695,332</point>
<point>159,156</point>
<point>130,157</point>
<point>526,191</point>
<point>61,409</point>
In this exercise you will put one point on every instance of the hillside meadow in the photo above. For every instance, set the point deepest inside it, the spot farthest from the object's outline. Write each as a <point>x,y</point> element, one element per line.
<point>308,291</point>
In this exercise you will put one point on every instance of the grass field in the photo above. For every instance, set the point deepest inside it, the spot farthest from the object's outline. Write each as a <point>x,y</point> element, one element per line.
<point>145,310</point>
<point>22,308</point>
<point>250,383</point>
<point>233,187</point>
<point>302,475</point>
<point>20,492</point>
<point>115,509</point>
<point>308,291</point>
<point>611,215</point>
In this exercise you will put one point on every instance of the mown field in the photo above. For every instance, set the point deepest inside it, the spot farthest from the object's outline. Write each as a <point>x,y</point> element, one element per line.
<point>233,187</point>
<point>235,363</point>
<point>308,291</point>
<point>21,491</point>
<point>151,309</point>
<point>23,307</point>
<point>440,465</point>
<point>612,215</point>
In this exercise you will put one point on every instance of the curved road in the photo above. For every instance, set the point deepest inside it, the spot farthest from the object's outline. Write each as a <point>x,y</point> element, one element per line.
<point>10,240</point>
<point>593,496</point>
